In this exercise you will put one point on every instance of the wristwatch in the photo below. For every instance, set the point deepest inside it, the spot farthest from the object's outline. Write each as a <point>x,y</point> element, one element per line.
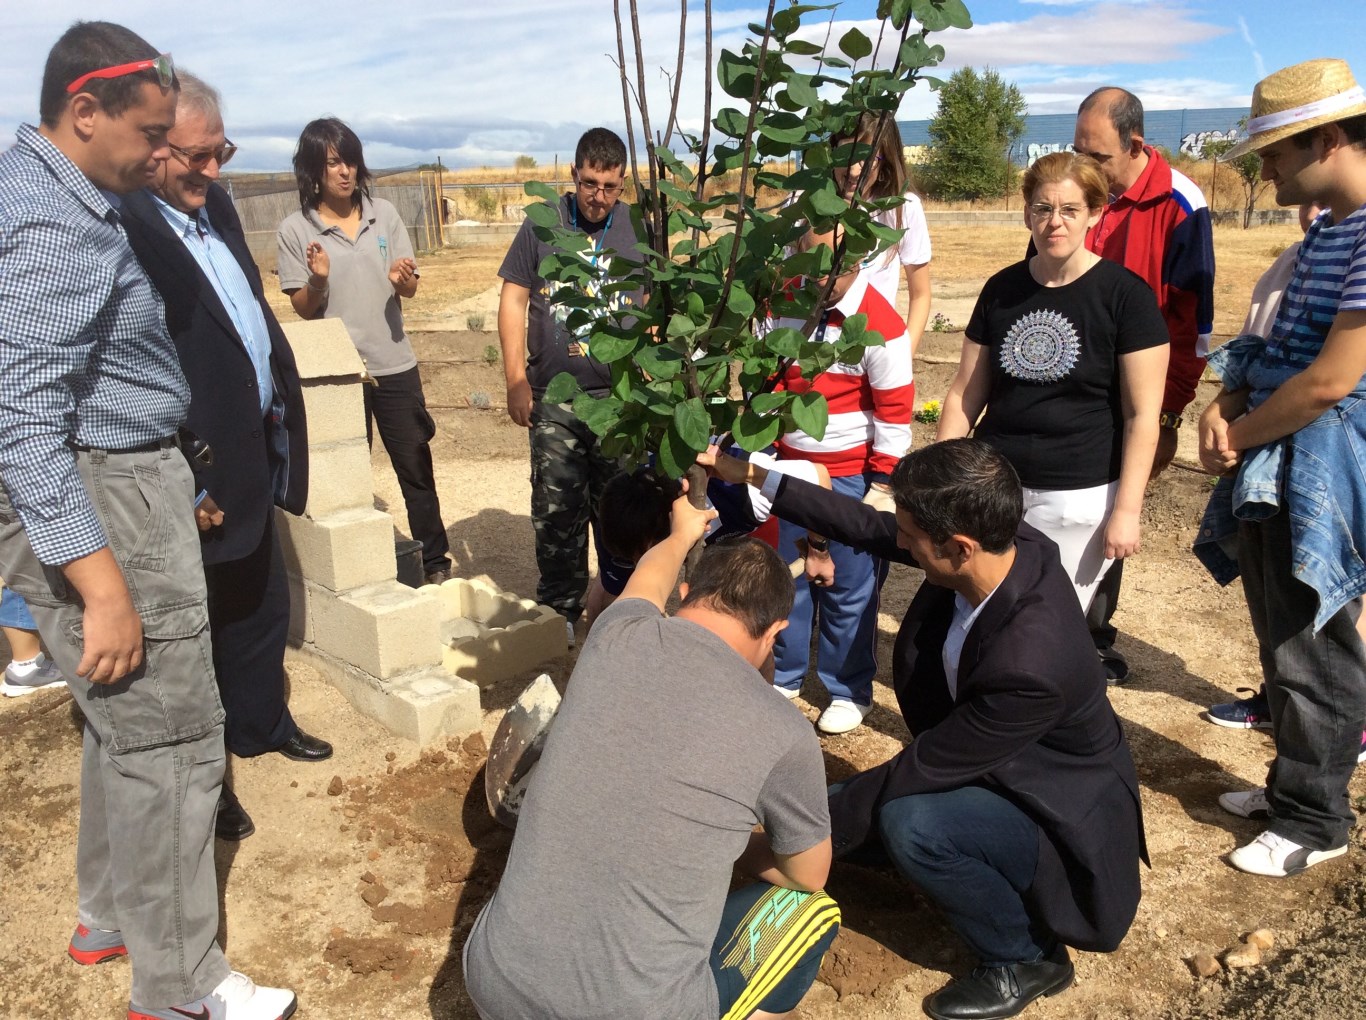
<point>1169,420</point>
<point>820,545</point>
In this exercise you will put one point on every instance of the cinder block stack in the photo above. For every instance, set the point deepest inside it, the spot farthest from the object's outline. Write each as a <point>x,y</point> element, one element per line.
<point>377,640</point>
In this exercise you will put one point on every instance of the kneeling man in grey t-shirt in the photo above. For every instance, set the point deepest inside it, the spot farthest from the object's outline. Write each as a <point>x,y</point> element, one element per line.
<point>668,750</point>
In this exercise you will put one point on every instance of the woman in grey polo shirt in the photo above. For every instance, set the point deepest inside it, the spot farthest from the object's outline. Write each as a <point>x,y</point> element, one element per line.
<point>346,255</point>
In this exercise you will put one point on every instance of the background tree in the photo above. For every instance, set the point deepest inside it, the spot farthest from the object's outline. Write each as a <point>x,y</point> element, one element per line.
<point>691,358</point>
<point>980,117</point>
<point>1247,170</point>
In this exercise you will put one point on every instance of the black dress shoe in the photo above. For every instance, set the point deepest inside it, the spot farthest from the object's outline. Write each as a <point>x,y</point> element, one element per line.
<point>302,747</point>
<point>993,993</point>
<point>232,823</point>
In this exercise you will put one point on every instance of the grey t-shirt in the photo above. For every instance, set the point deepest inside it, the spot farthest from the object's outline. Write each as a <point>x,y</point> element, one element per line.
<point>551,349</point>
<point>359,292</point>
<point>668,748</point>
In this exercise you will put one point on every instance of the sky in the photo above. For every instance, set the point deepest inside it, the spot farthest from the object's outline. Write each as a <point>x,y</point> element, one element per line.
<point>478,84</point>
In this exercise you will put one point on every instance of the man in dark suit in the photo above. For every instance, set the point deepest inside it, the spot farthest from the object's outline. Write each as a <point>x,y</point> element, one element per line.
<point>246,404</point>
<point>1015,807</point>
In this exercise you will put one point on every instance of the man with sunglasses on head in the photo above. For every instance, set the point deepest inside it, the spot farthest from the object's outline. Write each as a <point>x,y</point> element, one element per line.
<point>97,528</point>
<point>245,401</point>
<point>568,468</point>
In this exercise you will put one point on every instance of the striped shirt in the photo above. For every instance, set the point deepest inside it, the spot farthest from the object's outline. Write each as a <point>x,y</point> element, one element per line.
<point>221,268</point>
<point>84,353</point>
<point>1330,277</point>
<point>870,401</point>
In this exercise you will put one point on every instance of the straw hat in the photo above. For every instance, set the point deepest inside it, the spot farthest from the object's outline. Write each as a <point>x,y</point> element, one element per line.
<point>1298,98</point>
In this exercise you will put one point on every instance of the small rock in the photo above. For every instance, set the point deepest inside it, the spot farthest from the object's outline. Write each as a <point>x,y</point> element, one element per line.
<point>1204,965</point>
<point>1262,938</point>
<point>374,895</point>
<point>1161,933</point>
<point>1242,957</point>
<point>343,828</point>
<point>391,755</point>
<point>475,746</point>
<point>373,855</point>
<point>335,788</point>
<point>368,878</point>
<point>293,784</point>
<point>338,932</point>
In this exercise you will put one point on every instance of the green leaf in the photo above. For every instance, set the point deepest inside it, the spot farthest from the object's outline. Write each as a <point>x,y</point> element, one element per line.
<point>768,403</point>
<point>778,127</point>
<point>855,45</point>
<point>801,48</point>
<point>826,202</point>
<point>693,423</point>
<point>740,302</point>
<point>730,121</point>
<point>898,11</point>
<point>802,91</point>
<point>600,414</point>
<point>562,389</point>
<point>659,361</point>
<point>539,189</point>
<point>736,75</point>
<point>675,456</point>
<point>753,432</point>
<point>607,348</point>
<point>784,341</point>
<point>937,15</point>
<point>811,414</point>
<point>543,215</point>
<point>785,23</point>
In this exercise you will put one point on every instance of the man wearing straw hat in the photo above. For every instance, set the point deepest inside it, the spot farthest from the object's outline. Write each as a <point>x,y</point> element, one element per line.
<point>1287,431</point>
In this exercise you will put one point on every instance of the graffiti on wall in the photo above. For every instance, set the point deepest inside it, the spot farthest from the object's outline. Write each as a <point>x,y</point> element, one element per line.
<point>1193,143</point>
<point>1037,149</point>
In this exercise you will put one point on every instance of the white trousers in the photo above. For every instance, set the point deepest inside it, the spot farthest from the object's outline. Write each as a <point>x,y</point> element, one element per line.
<point>1075,519</point>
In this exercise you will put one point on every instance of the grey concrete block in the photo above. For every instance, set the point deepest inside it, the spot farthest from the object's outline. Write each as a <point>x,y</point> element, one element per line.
<point>339,478</point>
<point>425,706</point>
<point>322,348</point>
<point>492,634</point>
<point>340,551</point>
<point>383,629</point>
<point>335,409</point>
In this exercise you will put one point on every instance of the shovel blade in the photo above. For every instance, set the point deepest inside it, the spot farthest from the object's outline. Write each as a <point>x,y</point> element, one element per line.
<point>516,748</point>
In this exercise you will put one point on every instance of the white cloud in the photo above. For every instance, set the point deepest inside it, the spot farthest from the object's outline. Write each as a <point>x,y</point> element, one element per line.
<point>1256,53</point>
<point>480,83</point>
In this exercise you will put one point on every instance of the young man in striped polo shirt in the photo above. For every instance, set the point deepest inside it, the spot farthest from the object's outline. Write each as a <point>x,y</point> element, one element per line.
<point>1290,426</point>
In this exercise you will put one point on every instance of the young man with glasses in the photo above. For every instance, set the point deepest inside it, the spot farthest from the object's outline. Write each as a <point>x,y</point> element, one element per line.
<point>97,526</point>
<point>568,468</point>
<point>246,402</point>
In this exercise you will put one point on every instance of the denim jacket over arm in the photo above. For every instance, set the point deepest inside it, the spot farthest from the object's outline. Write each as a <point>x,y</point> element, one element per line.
<point>1321,472</point>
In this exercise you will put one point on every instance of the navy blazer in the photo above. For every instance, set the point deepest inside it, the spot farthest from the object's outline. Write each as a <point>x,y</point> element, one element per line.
<point>1031,721</point>
<point>250,473</point>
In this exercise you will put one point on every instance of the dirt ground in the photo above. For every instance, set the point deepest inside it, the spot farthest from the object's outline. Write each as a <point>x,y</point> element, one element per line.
<point>365,872</point>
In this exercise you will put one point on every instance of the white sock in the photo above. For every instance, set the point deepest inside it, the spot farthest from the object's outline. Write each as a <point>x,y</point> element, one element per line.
<point>25,667</point>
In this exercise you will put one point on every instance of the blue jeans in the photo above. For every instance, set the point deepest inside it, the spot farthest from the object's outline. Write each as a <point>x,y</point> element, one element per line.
<point>153,749</point>
<point>845,613</point>
<point>1315,686</point>
<point>974,854</point>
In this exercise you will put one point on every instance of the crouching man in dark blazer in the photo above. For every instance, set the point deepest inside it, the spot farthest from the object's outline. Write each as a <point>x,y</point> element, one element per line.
<point>246,404</point>
<point>1015,807</point>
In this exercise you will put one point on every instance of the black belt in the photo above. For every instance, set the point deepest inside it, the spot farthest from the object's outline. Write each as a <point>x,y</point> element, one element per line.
<point>197,451</point>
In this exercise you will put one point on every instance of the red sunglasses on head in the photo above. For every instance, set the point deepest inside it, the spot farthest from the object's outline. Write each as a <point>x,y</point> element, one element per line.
<point>160,64</point>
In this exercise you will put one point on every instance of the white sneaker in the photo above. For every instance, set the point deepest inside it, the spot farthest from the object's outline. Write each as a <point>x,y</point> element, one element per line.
<point>789,695</point>
<point>44,674</point>
<point>842,716</point>
<point>569,631</point>
<point>237,997</point>
<point>1246,803</point>
<point>1277,857</point>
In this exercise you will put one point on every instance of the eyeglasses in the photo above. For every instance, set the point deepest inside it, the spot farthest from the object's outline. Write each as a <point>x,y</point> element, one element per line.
<point>161,65</point>
<point>608,190</point>
<point>200,159</point>
<point>1044,212</point>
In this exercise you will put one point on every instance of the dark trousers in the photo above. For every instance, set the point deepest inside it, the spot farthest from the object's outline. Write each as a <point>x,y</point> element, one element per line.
<point>398,407</point>
<point>249,622</point>
<point>974,853</point>
<point>568,474</point>
<point>1315,685</point>
<point>1098,617</point>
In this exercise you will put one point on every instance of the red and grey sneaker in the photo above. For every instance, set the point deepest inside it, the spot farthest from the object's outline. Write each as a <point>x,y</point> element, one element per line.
<point>95,945</point>
<point>237,997</point>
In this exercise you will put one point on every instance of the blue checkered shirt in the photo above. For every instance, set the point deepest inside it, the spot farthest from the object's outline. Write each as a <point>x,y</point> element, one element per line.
<point>84,353</point>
